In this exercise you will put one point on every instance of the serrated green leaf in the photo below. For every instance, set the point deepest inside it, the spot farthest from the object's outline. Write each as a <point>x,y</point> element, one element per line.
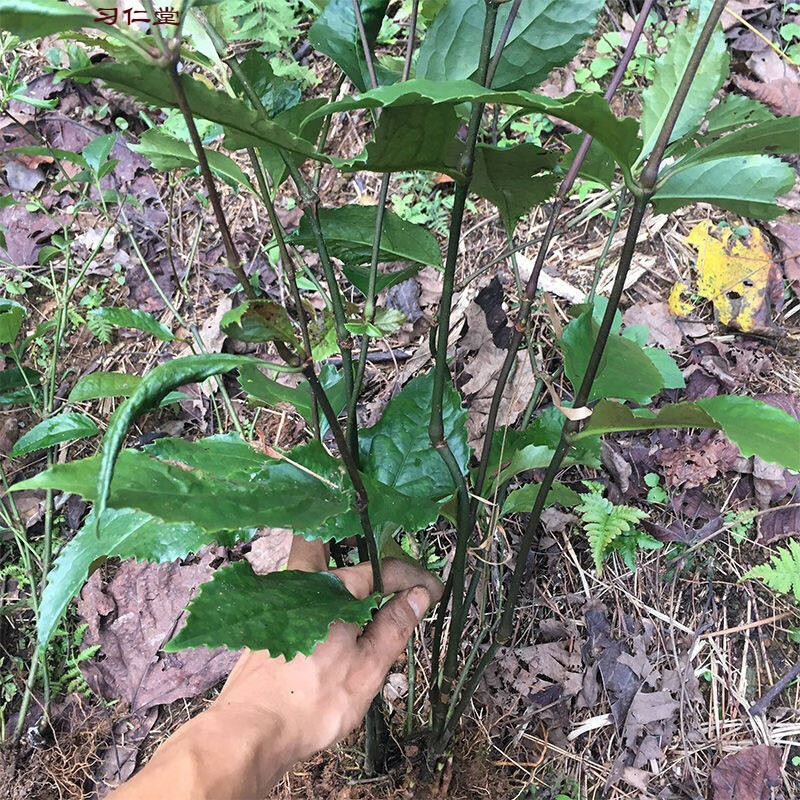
<point>757,428</point>
<point>522,499</point>
<point>546,34</point>
<point>30,19</point>
<point>167,153</point>
<point>246,127</point>
<point>587,111</point>
<point>218,483</point>
<point>397,450</point>
<point>359,276</point>
<point>123,533</point>
<point>285,613</point>
<point>17,385</point>
<point>335,33</point>
<point>349,231</point>
<point>259,321</point>
<point>733,111</point>
<point>669,69</point>
<point>11,316</point>
<point>512,179</point>
<point>62,428</point>
<point>133,318</point>
<point>772,137</point>
<point>746,185</point>
<point>625,371</point>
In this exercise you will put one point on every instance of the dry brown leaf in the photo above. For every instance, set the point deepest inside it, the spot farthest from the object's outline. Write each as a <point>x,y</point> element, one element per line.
<point>735,273</point>
<point>750,774</point>
<point>787,231</point>
<point>664,330</point>
<point>777,84</point>
<point>269,550</point>
<point>690,466</point>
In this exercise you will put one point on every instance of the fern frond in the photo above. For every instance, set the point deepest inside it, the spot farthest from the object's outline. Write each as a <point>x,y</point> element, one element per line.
<point>782,571</point>
<point>99,326</point>
<point>603,522</point>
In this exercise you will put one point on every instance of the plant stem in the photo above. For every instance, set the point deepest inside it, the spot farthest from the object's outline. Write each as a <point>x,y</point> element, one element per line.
<point>436,431</point>
<point>523,316</point>
<point>412,35</point>
<point>234,263</point>
<point>647,183</point>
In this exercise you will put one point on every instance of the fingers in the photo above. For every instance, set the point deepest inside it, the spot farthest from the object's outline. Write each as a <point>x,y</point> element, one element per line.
<point>385,637</point>
<point>397,576</point>
<point>308,556</point>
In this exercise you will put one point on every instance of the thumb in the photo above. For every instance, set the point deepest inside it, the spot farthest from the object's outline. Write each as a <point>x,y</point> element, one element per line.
<point>385,637</point>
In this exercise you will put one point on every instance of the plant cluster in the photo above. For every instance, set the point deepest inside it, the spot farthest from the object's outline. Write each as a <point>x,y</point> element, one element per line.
<point>387,483</point>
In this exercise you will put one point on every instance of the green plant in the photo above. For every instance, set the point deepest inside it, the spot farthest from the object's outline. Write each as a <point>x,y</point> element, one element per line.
<point>656,492</point>
<point>740,524</point>
<point>610,528</point>
<point>393,480</point>
<point>782,571</point>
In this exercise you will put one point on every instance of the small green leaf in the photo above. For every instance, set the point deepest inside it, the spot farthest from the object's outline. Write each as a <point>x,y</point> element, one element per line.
<point>96,153</point>
<point>11,316</point>
<point>167,153</point>
<point>625,371</point>
<point>670,372</point>
<point>19,385</point>
<point>546,34</point>
<point>62,428</point>
<point>746,185</point>
<point>669,69</point>
<point>349,231</point>
<point>522,500</point>
<point>359,276</point>
<point>286,613</point>
<point>335,33</point>
<point>782,571</point>
<point>132,318</point>
<point>123,533</point>
<point>259,321</point>
<point>757,428</point>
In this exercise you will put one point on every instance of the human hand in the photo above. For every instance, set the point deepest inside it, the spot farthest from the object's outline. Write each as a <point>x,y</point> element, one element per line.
<point>322,697</point>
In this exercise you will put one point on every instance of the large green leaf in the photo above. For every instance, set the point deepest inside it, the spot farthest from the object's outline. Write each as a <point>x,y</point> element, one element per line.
<point>405,139</point>
<point>19,385</point>
<point>546,34</point>
<point>397,450</point>
<point>244,126</point>
<point>775,136</point>
<point>522,499</point>
<point>11,316</point>
<point>130,318</point>
<point>611,417</point>
<point>217,483</point>
<point>349,231</point>
<point>258,321</point>
<point>587,111</point>
<point>123,533</point>
<point>625,370</point>
<point>335,33</point>
<point>757,428</point>
<point>510,177</point>
<point>746,185</point>
<point>358,275</point>
<point>165,152</point>
<point>286,613</point>
<point>62,428</point>
<point>669,69</point>
<point>31,19</point>
<point>97,385</point>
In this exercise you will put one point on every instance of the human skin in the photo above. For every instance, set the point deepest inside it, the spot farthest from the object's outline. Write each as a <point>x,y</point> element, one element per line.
<point>273,713</point>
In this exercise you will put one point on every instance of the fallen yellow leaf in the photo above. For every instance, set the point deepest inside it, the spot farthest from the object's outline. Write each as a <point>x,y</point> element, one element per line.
<point>733,272</point>
<point>677,305</point>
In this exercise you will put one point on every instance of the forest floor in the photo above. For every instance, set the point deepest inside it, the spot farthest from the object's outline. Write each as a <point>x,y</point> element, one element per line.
<point>620,685</point>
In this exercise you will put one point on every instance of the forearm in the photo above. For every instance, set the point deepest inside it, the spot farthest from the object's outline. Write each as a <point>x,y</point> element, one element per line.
<point>226,753</point>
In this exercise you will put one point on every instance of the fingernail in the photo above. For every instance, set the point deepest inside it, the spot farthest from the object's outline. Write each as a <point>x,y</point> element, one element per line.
<point>419,600</point>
